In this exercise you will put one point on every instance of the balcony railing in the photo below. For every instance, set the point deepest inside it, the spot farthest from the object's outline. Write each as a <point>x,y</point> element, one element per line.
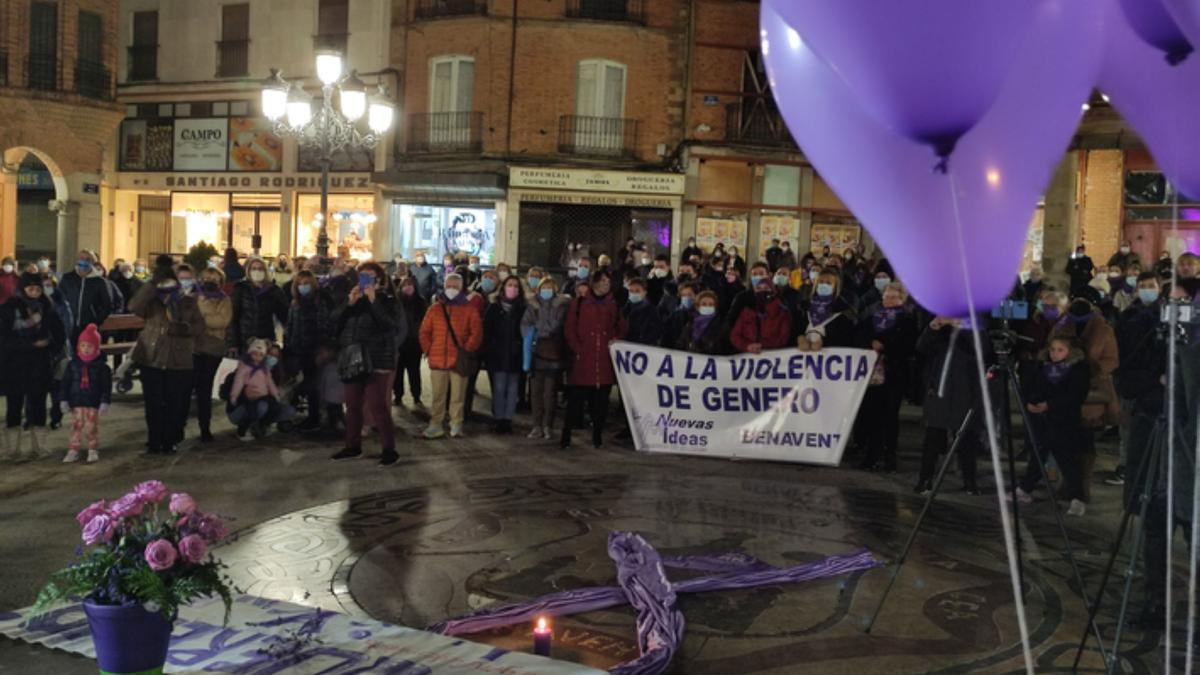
<point>436,9</point>
<point>445,132</point>
<point>143,62</point>
<point>607,10</point>
<point>41,71</point>
<point>334,41</point>
<point>93,80</point>
<point>757,125</point>
<point>597,136</point>
<point>233,58</point>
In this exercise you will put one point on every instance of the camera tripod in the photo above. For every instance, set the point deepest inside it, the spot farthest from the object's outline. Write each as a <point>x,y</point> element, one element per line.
<point>1005,371</point>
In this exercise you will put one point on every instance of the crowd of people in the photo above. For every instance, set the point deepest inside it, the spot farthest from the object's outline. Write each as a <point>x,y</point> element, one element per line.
<point>337,341</point>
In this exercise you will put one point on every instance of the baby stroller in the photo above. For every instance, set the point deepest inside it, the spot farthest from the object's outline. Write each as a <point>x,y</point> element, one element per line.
<point>125,373</point>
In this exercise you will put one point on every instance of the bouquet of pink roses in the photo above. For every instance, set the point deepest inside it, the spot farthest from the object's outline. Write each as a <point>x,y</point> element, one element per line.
<point>145,549</point>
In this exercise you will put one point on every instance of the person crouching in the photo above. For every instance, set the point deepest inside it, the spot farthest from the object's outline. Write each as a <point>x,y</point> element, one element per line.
<point>254,397</point>
<point>86,394</point>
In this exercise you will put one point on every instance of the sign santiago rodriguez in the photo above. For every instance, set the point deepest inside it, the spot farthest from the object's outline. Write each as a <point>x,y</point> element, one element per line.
<point>782,405</point>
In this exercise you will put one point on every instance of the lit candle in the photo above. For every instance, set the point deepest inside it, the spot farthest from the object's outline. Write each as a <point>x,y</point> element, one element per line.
<point>541,637</point>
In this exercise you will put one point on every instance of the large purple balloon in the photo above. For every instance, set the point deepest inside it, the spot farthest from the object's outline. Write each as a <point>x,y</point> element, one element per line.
<point>928,70</point>
<point>1151,21</point>
<point>1161,101</point>
<point>1001,167</point>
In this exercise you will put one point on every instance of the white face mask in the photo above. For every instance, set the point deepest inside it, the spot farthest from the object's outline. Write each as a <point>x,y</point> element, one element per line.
<point>257,275</point>
<point>8,269</point>
<point>451,293</point>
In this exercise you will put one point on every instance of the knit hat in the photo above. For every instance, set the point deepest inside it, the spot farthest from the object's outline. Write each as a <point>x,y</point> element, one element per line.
<point>1101,284</point>
<point>28,279</point>
<point>259,346</point>
<point>90,335</point>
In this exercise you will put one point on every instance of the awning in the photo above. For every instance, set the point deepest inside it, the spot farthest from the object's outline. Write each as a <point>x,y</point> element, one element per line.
<point>441,186</point>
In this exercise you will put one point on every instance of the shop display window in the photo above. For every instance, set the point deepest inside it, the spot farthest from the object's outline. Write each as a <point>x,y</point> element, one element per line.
<point>350,225</point>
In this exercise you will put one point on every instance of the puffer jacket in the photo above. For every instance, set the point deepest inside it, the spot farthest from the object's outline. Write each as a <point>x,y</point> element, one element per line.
<point>372,325</point>
<point>435,333</point>
<point>217,314</point>
<point>169,339</point>
<point>99,389</point>
<point>770,327</point>
<point>307,323</point>
<point>89,299</point>
<point>255,311</point>
<point>591,324</point>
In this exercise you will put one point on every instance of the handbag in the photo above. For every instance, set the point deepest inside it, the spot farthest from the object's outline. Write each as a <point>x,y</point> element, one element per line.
<point>466,363</point>
<point>879,373</point>
<point>354,363</point>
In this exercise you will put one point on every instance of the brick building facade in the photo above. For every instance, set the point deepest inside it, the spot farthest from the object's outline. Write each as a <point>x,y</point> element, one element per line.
<point>57,70</point>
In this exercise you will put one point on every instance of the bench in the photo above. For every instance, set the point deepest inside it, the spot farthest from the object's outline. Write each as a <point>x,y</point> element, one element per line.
<point>118,323</point>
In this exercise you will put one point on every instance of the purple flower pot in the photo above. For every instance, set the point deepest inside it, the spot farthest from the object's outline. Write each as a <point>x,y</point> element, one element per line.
<point>128,639</point>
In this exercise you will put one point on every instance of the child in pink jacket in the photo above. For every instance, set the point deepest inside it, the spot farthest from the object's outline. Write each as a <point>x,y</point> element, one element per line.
<point>253,398</point>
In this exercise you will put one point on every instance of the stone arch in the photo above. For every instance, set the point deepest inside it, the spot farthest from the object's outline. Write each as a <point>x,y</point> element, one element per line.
<point>12,159</point>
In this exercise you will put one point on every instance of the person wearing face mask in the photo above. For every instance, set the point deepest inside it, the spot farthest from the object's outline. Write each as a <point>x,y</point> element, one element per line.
<point>744,295</point>
<point>8,278</point>
<point>592,323</point>
<point>792,300</point>
<point>502,351</point>
<point>1099,293</point>
<point>1124,296</point>
<point>533,279</point>
<point>87,295</point>
<point>583,272</point>
<point>888,329</point>
<point>451,326</point>
<point>828,319</point>
<point>728,289</point>
<point>705,331</point>
<point>645,326</point>
<point>283,271</point>
<point>369,324</point>
<point>736,262</point>
<point>658,277</point>
<point>45,266</point>
<point>1163,267</point>
<point>393,268</point>
<point>448,267</point>
<point>1079,269</point>
<point>675,319</point>
<point>1141,355</point>
<point>474,268</point>
<point>1046,312</point>
<point>874,295</point>
<point>257,304</point>
<point>216,311</point>
<point>488,284</point>
<point>764,324</point>
<point>308,322</point>
<point>425,275</point>
<point>31,335</point>
<point>125,280</point>
<point>1032,288</point>
<point>544,318</point>
<point>787,257</point>
<point>691,250</point>
<point>165,356</point>
<point>139,270</point>
<point>409,365</point>
<point>254,396</point>
<point>1124,257</point>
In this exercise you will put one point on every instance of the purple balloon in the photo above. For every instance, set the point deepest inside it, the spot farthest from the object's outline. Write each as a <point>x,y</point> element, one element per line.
<point>1187,17</point>
<point>1151,21</point>
<point>1001,167</point>
<point>928,70</point>
<point>1161,101</point>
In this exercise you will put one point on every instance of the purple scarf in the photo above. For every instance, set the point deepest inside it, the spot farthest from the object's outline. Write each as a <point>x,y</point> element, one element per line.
<point>254,367</point>
<point>1056,372</point>
<point>460,300</point>
<point>700,324</point>
<point>213,295</point>
<point>885,318</point>
<point>821,309</point>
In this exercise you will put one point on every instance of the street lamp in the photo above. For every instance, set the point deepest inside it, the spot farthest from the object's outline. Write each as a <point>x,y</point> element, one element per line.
<point>325,128</point>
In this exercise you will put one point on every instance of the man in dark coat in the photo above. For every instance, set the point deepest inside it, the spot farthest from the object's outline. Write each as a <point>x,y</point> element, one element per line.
<point>426,276</point>
<point>86,293</point>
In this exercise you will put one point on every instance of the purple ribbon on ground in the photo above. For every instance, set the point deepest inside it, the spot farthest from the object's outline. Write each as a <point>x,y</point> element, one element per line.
<point>644,584</point>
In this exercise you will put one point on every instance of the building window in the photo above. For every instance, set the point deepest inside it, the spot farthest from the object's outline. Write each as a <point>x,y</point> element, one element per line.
<point>451,83</point>
<point>233,50</point>
<point>42,62</point>
<point>434,9</point>
<point>92,78</point>
<point>143,53</point>
<point>333,25</point>
<point>598,126</point>
<point>450,125</point>
<point>607,10</point>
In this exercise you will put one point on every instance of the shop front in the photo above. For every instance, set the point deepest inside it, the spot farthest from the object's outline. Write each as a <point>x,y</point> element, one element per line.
<point>262,214</point>
<point>550,209</point>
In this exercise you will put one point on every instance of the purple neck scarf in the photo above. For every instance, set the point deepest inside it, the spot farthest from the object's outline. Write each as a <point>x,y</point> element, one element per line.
<point>212,295</point>
<point>821,310</point>
<point>1056,372</point>
<point>885,318</point>
<point>700,324</point>
<point>461,299</point>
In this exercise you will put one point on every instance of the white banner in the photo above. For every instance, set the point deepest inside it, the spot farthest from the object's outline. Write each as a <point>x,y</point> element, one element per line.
<point>782,405</point>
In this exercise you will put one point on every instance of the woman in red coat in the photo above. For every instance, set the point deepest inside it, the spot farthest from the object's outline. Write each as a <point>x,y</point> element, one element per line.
<point>592,322</point>
<point>763,325</point>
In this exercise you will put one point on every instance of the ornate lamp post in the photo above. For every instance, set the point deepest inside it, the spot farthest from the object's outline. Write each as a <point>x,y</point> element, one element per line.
<point>323,127</point>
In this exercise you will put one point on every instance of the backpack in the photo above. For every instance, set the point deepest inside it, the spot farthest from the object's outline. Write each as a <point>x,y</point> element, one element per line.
<point>226,386</point>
